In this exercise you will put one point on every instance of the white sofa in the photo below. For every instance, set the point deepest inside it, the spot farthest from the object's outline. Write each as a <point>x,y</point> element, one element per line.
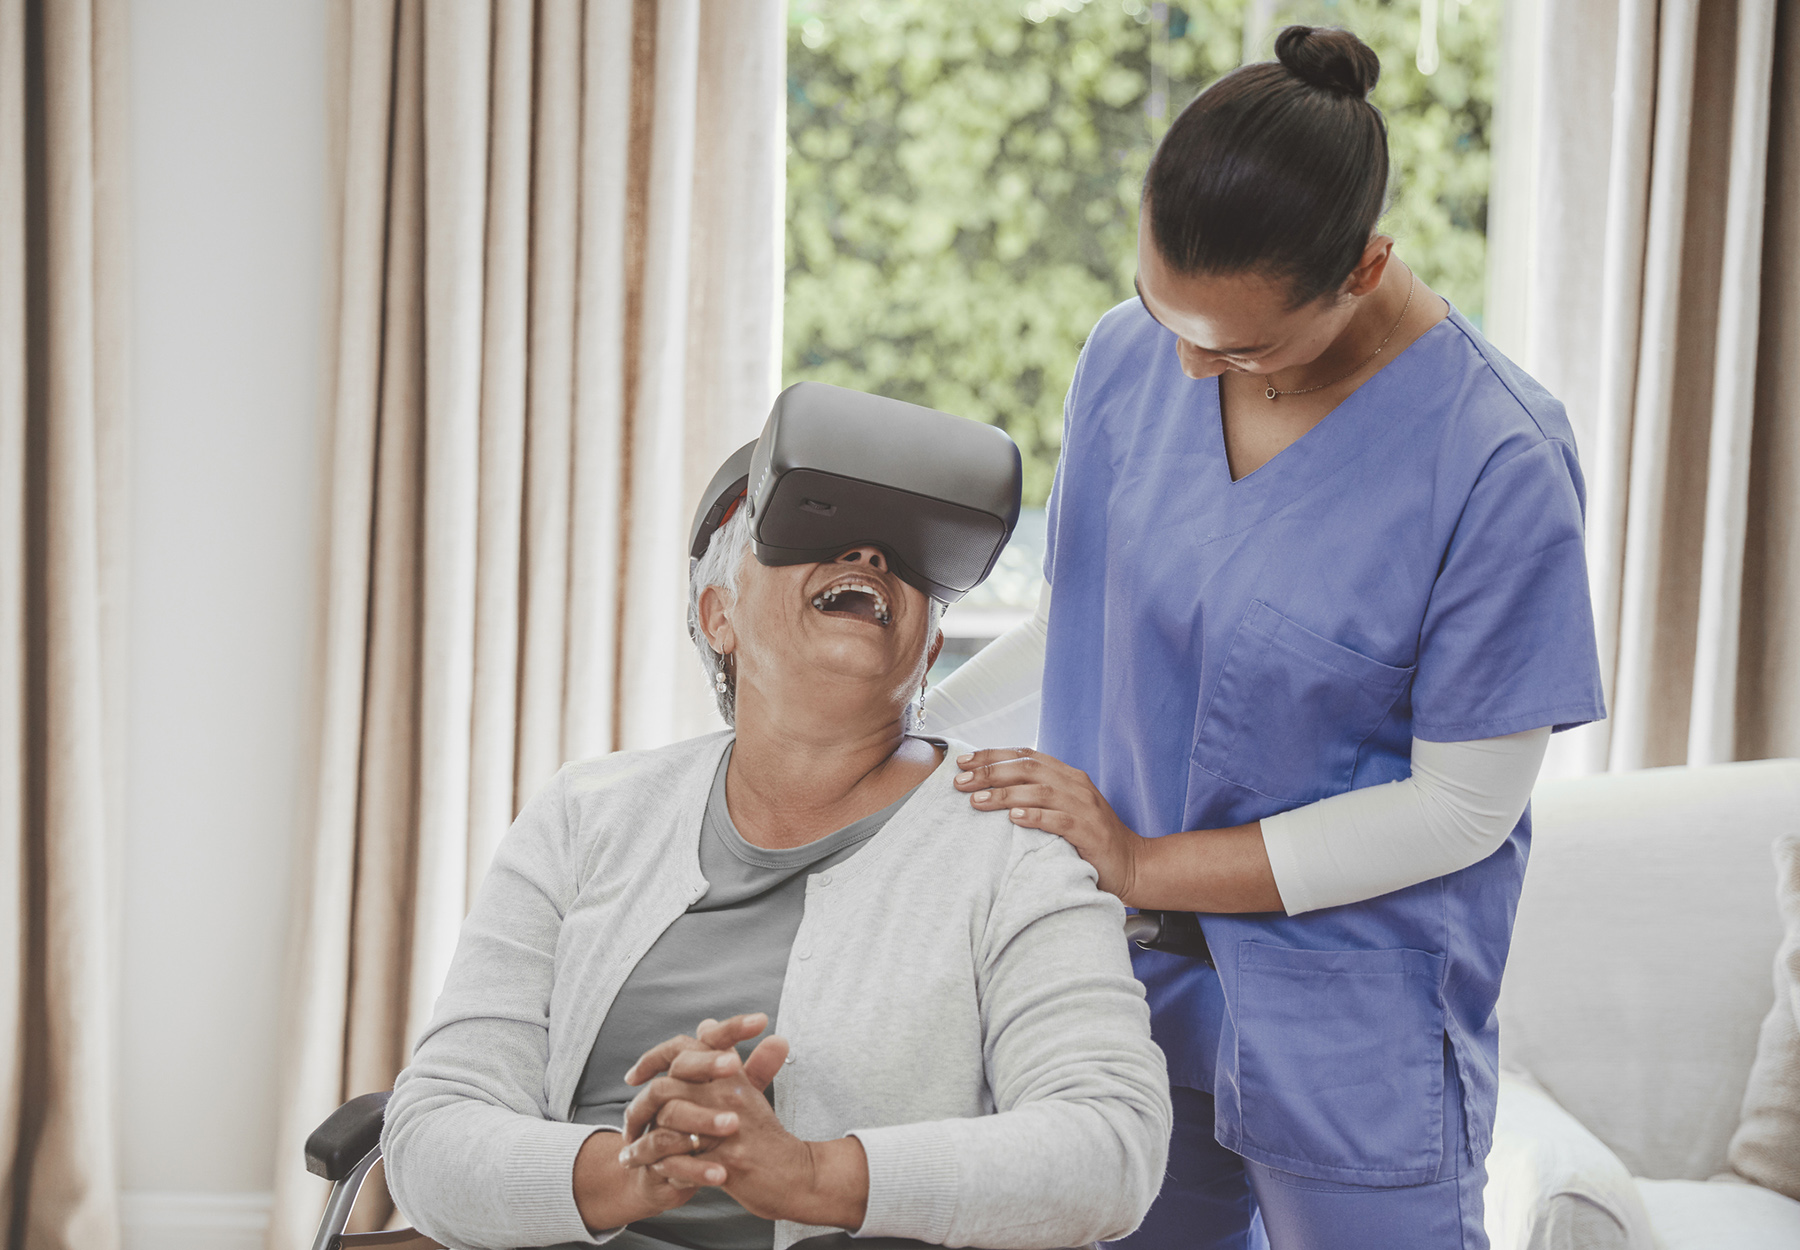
<point>1641,969</point>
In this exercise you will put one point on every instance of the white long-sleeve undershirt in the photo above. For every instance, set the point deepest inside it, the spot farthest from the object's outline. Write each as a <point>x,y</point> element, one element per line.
<point>1459,805</point>
<point>992,700</point>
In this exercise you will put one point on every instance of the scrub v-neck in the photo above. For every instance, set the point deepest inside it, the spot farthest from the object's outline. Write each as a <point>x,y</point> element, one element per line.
<point>1215,397</point>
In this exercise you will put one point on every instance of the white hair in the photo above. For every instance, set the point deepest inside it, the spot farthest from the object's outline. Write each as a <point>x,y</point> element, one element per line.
<point>724,557</point>
<point>718,567</point>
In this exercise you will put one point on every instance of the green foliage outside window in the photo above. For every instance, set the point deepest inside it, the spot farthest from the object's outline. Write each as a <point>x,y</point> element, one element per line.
<point>963,179</point>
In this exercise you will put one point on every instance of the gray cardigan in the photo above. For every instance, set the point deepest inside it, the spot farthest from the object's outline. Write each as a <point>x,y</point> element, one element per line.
<point>958,997</point>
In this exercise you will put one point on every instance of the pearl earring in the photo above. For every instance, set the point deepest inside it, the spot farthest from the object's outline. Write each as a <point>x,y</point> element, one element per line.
<point>719,682</point>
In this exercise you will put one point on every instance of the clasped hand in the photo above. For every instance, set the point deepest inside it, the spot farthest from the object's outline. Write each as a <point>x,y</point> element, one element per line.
<point>703,1118</point>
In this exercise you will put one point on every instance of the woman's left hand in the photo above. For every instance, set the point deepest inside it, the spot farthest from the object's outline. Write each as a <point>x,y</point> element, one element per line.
<point>1041,792</point>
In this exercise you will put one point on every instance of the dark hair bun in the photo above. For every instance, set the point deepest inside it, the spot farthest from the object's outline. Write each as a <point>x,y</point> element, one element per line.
<point>1333,59</point>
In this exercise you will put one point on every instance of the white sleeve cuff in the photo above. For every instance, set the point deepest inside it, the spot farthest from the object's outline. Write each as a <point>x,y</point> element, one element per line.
<point>1298,843</point>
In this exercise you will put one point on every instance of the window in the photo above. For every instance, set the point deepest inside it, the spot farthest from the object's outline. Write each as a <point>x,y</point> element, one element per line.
<point>963,181</point>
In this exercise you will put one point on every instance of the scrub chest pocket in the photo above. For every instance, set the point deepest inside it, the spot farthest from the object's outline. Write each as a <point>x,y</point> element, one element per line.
<point>1291,710</point>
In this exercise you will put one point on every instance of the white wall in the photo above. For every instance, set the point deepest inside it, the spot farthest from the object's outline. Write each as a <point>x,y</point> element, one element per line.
<point>228,118</point>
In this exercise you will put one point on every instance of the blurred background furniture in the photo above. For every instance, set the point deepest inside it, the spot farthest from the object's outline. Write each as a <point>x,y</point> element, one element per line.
<point>1641,972</point>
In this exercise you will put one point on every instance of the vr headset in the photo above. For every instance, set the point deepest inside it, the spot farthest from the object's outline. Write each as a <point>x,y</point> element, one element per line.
<point>835,469</point>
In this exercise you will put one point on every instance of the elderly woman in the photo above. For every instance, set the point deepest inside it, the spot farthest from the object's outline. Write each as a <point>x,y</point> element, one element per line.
<point>964,1058</point>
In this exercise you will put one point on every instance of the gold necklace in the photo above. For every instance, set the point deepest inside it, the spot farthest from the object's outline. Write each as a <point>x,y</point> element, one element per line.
<point>1271,393</point>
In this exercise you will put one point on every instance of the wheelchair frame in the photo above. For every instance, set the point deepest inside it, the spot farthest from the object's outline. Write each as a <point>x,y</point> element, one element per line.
<point>342,1150</point>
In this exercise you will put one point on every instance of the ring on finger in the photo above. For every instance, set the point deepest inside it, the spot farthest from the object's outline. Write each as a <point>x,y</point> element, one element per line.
<point>694,1139</point>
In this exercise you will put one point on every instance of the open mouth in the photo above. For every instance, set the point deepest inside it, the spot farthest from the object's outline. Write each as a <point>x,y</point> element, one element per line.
<point>856,599</point>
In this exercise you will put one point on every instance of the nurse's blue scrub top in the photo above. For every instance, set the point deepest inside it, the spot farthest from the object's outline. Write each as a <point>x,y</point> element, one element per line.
<point>1221,651</point>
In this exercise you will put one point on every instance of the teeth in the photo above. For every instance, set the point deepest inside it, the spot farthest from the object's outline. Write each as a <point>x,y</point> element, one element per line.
<point>829,597</point>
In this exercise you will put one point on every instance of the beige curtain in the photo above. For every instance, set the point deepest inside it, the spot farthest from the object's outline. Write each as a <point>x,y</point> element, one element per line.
<point>1661,301</point>
<point>63,311</point>
<point>558,247</point>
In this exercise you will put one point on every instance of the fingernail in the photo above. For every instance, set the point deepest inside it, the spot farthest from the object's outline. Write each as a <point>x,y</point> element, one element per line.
<point>982,796</point>
<point>725,1121</point>
<point>964,759</point>
<point>622,1155</point>
<point>963,777</point>
<point>1018,813</point>
<point>715,1175</point>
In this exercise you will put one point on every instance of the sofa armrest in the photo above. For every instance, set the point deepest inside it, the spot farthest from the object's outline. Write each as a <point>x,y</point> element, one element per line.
<point>1552,1185</point>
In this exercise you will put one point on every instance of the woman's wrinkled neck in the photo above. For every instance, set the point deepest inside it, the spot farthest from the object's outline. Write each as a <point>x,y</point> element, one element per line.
<point>798,775</point>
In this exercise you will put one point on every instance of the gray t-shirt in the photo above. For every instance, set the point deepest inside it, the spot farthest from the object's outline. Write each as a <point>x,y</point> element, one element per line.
<point>725,956</point>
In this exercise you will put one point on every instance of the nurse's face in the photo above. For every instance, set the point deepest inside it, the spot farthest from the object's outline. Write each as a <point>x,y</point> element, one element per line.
<point>1244,322</point>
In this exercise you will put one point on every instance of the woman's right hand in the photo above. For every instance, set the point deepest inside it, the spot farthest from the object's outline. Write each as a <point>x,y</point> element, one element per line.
<point>610,1194</point>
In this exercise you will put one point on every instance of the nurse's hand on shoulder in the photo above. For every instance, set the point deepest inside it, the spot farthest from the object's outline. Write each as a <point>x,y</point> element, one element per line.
<point>1041,792</point>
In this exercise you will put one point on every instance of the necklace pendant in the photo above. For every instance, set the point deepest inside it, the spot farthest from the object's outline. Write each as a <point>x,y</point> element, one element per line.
<point>1271,392</point>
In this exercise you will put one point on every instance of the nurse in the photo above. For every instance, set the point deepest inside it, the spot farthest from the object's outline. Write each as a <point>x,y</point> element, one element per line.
<point>1317,600</point>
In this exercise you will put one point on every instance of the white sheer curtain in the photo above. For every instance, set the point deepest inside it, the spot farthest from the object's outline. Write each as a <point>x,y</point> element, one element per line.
<point>62,541</point>
<point>62,513</point>
<point>558,255</point>
<point>1646,267</point>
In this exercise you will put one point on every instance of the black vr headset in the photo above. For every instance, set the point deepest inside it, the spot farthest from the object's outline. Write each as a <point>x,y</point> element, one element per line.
<point>835,469</point>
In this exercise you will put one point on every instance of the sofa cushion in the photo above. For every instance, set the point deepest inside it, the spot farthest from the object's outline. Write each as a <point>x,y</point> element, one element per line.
<point>1766,1146</point>
<point>1552,1185</point>
<point>1639,972</point>
<point>1720,1215</point>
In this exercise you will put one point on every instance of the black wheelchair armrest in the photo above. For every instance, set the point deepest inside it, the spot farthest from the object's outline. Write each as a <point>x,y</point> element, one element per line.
<point>349,1133</point>
<point>1176,932</point>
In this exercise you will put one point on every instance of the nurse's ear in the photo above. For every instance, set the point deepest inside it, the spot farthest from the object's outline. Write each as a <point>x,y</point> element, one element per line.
<point>1367,275</point>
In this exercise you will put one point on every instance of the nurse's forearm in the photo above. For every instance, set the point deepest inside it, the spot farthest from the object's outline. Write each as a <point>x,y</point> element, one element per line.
<point>1210,870</point>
